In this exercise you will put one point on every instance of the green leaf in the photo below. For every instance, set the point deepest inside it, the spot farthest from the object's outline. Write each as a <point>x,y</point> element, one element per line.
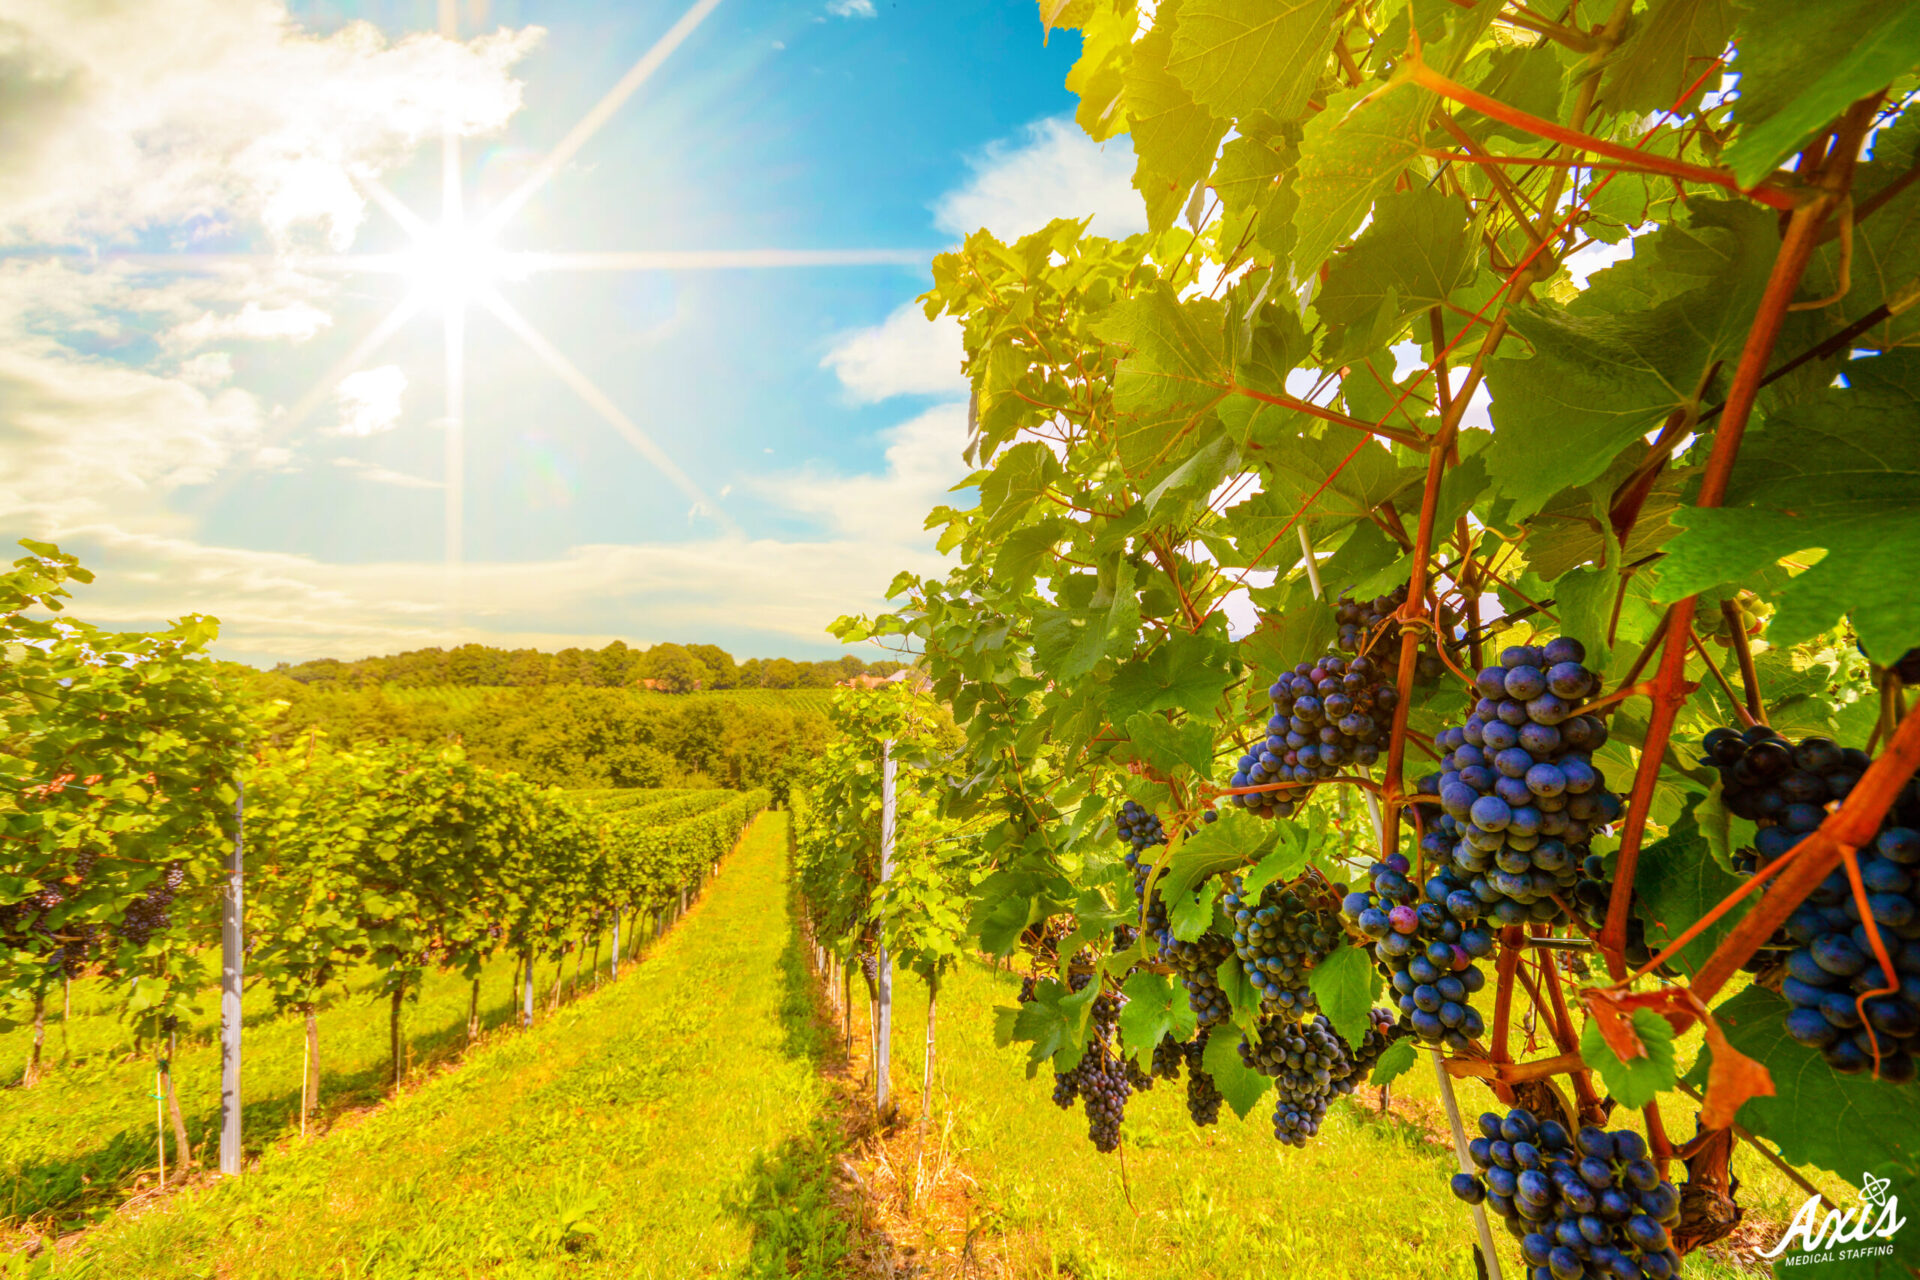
<point>1296,847</point>
<point>1172,373</point>
<point>1677,881</point>
<point>1416,252</point>
<point>1154,1009</point>
<point>1394,1063</point>
<point>1236,58</point>
<point>1664,54</point>
<point>1351,154</point>
<point>1242,996</point>
<point>1186,671</point>
<point>1839,475</point>
<point>1169,747</point>
<point>1802,65</point>
<point>1609,368</point>
<point>1816,1116</point>
<point>1343,984</point>
<point>1227,845</point>
<point>1174,137</point>
<point>1633,1084</point>
<point>1238,1083</point>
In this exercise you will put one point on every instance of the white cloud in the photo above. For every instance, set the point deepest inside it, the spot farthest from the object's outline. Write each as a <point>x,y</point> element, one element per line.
<point>217,114</point>
<point>850,8</point>
<point>295,323</point>
<point>377,474</point>
<point>889,509</point>
<point>906,354</point>
<point>1053,171</point>
<point>370,400</point>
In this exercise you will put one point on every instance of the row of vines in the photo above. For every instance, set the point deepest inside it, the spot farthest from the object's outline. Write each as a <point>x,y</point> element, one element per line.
<point>134,771</point>
<point>1461,547</point>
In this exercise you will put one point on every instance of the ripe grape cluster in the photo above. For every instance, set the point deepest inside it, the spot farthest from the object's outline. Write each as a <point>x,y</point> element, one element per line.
<point>1427,948</point>
<point>1368,625</point>
<point>1519,790</point>
<point>1590,899</point>
<point>1203,1096</point>
<point>1168,1056</point>
<point>1305,1059</point>
<point>153,911</point>
<point>1142,831</point>
<point>1197,964</point>
<point>1582,1205</point>
<point>1785,787</point>
<point>1282,933</point>
<point>1327,715</point>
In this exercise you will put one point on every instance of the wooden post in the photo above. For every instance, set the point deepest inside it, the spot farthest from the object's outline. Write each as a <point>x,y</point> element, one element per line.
<point>183,1150</point>
<point>883,1003</point>
<point>393,1032</point>
<point>616,944</point>
<point>926,1079</point>
<point>310,1071</point>
<point>233,961</point>
<point>526,1011</point>
<point>1487,1254</point>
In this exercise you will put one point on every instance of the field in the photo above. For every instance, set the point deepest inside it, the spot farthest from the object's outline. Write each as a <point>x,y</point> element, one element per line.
<point>566,1150</point>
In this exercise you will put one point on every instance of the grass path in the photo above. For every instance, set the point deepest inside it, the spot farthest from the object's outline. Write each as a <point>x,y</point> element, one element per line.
<point>670,1124</point>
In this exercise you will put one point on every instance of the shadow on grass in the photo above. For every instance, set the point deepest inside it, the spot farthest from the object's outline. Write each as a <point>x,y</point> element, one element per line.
<point>77,1188</point>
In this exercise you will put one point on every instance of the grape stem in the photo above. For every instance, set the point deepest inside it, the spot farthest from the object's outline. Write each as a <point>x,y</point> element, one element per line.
<point>1803,229</point>
<point>1749,675</point>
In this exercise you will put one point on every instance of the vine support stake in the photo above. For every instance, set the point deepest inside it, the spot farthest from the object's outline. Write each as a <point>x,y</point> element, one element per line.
<point>1452,1104</point>
<point>232,971</point>
<point>883,1004</point>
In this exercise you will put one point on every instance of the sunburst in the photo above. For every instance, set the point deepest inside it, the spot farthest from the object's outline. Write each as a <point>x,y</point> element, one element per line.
<point>455,264</point>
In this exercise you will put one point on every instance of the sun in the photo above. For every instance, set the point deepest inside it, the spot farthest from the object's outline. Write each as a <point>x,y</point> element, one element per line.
<point>451,264</point>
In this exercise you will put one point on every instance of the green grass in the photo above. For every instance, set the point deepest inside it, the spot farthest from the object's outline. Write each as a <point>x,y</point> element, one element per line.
<point>1367,1198</point>
<point>670,1124</point>
<point>77,1143</point>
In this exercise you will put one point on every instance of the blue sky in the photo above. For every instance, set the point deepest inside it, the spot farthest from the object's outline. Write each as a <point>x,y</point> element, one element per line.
<point>149,415</point>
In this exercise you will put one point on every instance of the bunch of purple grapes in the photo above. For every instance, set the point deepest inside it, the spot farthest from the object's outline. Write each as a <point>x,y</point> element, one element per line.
<point>1280,935</point>
<point>1581,1205</point>
<point>1426,947</point>
<point>1520,795</point>
<point>1785,788</point>
<point>1305,1059</point>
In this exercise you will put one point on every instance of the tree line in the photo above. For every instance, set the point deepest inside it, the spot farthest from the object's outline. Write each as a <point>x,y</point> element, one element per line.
<point>674,668</point>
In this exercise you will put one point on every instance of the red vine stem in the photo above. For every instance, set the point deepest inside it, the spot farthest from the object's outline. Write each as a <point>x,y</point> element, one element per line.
<point>1803,230</point>
<point>1411,439</point>
<point>1427,78</point>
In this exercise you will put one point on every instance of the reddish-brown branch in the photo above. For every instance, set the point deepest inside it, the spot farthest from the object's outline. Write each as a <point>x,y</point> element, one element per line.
<point>1513,941</point>
<point>1504,1073</point>
<point>1427,78</point>
<point>1796,249</point>
<point>1412,439</point>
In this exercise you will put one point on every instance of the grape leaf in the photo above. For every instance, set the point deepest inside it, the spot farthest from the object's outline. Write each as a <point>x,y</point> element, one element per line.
<point>1668,48</point>
<point>1610,367</point>
<point>1242,996</point>
<point>1227,845</point>
<point>1186,672</point>
<point>1174,137</point>
<point>1837,474</point>
<point>1677,881</point>
<point>1351,154</point>
<point>1172,372</point>
<point>1415,253</point>
<point>1394,1063</point>
<point>1816,1115</point>
<point>1633,1084</point>
<point>1167,746</point>
<point>1802,65</point>
<point>1235,58</point>
<point>1238,1083</point>
<point>1343,984</point>
<point>1154,1009</point>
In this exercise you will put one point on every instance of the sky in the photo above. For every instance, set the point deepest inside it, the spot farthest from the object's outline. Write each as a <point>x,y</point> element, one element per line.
<point>228,283</point>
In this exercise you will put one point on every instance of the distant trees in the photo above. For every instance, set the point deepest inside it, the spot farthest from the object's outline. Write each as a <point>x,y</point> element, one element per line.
<point>617,665</point>
<point>670,668</point>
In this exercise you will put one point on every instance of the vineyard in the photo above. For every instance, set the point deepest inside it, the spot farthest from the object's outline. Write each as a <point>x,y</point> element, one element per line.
<point>1414,773</point>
